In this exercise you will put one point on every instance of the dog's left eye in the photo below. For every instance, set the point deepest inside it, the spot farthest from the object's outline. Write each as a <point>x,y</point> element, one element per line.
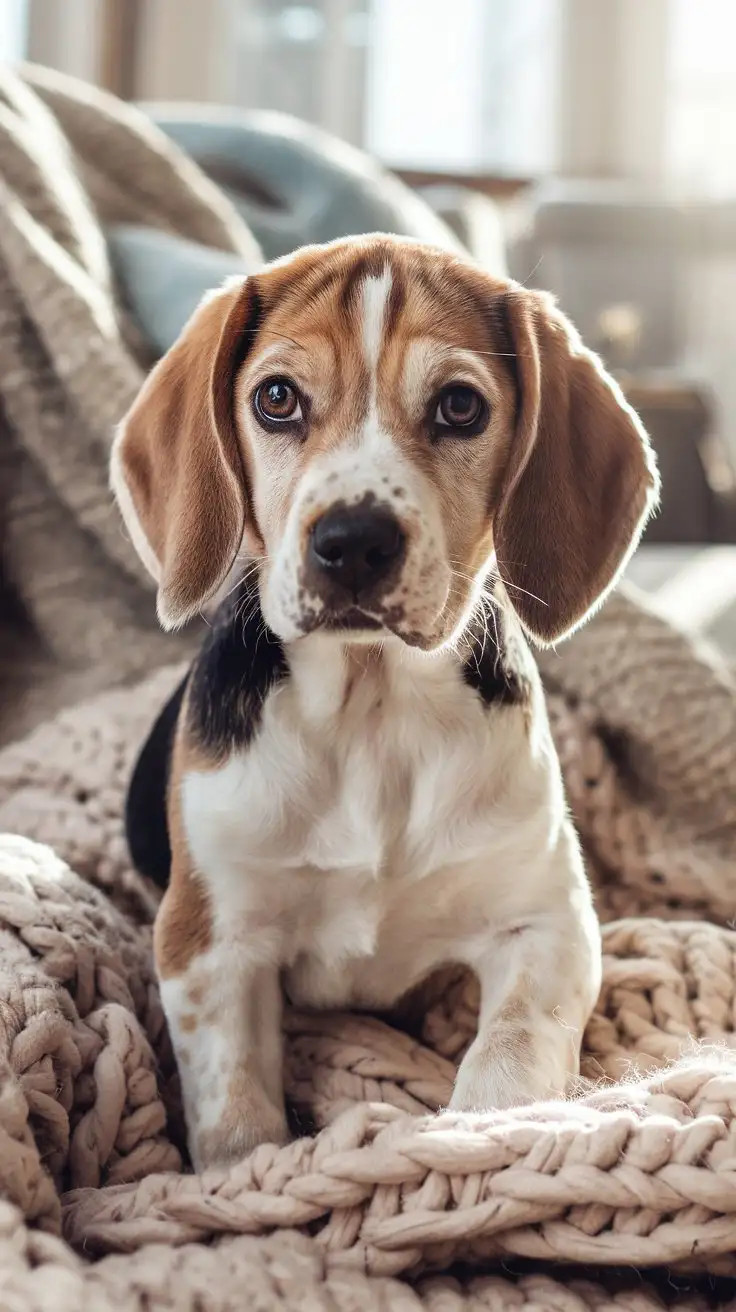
<point>459,407</point>
<point>277,400</point>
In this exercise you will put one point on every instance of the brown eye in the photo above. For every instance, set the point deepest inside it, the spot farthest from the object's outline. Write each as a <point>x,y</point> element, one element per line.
<point>460,407</point>
<point>277,400</point>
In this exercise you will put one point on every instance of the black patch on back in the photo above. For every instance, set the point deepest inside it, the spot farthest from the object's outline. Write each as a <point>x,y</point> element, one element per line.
<point>495,665</point>
<point>240,662</point>
<point>146,827</point>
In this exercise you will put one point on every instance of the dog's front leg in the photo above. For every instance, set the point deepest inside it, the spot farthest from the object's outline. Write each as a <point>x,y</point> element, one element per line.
<point>539,983</point>
<point>224,1009</point>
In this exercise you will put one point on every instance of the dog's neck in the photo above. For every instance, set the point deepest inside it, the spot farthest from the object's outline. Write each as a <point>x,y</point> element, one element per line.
<point>242,661</point>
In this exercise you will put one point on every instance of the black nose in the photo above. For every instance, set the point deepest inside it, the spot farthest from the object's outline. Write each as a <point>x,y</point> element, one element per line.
<point>356,547</point>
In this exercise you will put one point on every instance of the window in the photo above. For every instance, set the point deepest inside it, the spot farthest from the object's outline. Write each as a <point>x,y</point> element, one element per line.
<point>700,141</point>
<point>639,89</point>
<point>13,23</point>
<point>471,90</point>
<point>420,83</point>
<point>304,59</point>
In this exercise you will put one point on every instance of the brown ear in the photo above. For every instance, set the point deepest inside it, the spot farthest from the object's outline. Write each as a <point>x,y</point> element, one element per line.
<point>581,477</point>
<point>176,466</point>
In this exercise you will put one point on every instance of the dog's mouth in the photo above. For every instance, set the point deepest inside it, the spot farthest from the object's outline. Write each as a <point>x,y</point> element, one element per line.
<point>351,620</point>
<point>361,624</point>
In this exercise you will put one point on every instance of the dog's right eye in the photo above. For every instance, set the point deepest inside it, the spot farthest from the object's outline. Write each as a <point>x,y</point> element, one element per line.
<point>277,401</point>
<point>459,407</point>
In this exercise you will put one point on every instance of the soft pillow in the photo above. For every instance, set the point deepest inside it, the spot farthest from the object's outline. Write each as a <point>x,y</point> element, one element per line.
<point>293,184</point>
<point>164,277</point>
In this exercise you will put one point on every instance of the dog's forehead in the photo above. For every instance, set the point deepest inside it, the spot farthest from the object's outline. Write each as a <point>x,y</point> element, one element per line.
<point>364,296</point>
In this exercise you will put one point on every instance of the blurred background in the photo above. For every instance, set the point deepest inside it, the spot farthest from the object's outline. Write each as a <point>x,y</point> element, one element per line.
<point>504,89</point>
<point>583,146</point>
<point>600,133</point>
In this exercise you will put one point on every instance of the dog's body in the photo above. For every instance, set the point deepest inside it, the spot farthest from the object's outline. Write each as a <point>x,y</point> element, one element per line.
<point>362,785</point>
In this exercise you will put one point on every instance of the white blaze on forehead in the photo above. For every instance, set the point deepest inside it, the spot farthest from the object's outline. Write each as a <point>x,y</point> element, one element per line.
<point>376,292</point>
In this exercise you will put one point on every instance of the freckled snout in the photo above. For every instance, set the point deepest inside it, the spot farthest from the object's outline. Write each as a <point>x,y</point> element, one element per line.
<point>355,550</point>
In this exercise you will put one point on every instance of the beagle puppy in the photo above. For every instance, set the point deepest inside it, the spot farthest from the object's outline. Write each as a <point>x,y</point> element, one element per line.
<point>389,470</point>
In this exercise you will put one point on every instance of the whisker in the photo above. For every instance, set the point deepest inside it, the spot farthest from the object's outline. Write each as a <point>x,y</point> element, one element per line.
<point>248,609</point>
<point>259,635</point>
<point>271,332</point>
<point>495,629</point>
<point>517,588</point>
<point>525,281</point>
<point>245,610</point>
<point>511,355</point>
<point>488,613</point>
<point>255,561</point>
<point>484,589</point>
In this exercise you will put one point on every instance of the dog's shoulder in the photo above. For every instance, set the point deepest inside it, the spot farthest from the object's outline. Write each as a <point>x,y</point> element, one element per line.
<point>240,662</point>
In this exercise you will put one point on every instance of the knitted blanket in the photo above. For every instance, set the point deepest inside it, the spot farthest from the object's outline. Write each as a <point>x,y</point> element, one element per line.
<point>623,1197</point>
<point>73,162</point>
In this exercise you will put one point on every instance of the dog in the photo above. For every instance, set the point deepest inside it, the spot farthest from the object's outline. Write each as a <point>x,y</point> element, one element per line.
<point>390,471</point>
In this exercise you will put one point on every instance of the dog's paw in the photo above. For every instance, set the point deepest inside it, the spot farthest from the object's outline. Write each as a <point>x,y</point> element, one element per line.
<point>494,1082</point>
<point>237,1135</point>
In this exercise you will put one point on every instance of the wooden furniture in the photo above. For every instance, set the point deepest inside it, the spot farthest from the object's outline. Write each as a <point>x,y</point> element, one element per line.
<point>698,477</point>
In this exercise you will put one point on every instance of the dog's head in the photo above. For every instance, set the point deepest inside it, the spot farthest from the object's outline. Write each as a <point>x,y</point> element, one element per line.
<point>375,422</point>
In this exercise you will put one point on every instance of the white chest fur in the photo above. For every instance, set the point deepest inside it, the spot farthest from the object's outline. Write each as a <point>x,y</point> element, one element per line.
<point>382,815</point>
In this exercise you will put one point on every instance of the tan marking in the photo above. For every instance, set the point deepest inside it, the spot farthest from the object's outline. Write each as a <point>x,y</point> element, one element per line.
<point>183,927</point>
<point>188,1023</point>
<point>510,1032</point>
<point>514,1011</point>
<point>248,1120</point>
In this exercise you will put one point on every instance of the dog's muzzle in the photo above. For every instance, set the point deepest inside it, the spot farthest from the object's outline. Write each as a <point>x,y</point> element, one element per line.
<point>355,554</point>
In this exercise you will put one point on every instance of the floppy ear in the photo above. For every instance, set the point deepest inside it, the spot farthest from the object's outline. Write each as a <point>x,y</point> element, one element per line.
<point>176,467</point>
<point>580,480</point>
